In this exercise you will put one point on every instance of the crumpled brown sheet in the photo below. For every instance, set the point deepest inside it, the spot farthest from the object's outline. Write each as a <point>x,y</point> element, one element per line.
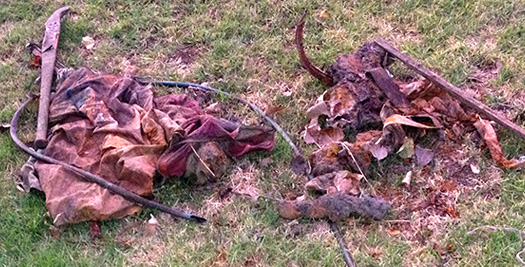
<point>116,128</point>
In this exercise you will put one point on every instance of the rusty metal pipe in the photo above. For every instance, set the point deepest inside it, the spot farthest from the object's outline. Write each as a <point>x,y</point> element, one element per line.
<point>49,53</point>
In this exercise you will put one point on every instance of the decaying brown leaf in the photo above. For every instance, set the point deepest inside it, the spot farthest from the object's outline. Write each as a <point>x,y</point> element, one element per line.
<point>378,151</point>
<point>404,120</point>
<point>322,137</point>
<point>423,156</point>
<point>393,232</point>
<point>339,181</point>
<point>490,138</point>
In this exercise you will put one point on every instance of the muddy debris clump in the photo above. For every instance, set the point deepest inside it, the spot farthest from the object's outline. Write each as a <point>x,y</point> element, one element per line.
<point>367,115</point>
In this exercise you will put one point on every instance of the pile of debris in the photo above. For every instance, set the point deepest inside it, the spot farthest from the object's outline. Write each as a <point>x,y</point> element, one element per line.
<point>368,115</point>
<point>113,126</point>
<point>109,136</point>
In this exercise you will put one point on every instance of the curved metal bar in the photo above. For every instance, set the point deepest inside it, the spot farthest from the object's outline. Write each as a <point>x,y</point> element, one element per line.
<point>307,64</point>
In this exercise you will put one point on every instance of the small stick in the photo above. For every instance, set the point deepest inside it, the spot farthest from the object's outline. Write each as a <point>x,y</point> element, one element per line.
<point>202,161</point>
<point>347,257</point>
<point>450,88</point>
<point>396,221</point>
<point>358,167</point>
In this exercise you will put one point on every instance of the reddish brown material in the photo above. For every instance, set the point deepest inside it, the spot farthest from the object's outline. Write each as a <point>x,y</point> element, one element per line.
<point>311,68</point>
<point>490,138</point>
<point>387,85</point>
<point>114,127</point>
<point>336,207</point>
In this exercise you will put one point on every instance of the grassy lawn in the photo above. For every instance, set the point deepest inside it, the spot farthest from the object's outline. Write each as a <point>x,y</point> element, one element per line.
<point>247,48</point>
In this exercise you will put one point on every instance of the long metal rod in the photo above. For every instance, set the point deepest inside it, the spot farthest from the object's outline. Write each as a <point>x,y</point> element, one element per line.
<point>91,177</point>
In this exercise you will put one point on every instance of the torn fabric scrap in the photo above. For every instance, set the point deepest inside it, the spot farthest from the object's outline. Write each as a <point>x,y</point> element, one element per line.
<point>116,128</point>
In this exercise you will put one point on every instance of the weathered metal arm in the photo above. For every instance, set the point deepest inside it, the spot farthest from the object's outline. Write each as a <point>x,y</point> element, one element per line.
<point>49,54</point>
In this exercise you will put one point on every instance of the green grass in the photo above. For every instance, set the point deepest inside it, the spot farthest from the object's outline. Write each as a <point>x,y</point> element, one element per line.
<point>247,48</point>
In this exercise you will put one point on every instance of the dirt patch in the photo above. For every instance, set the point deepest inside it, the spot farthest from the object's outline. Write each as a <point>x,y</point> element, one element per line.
<point>184,58</point>
<point>148,248</point>
<point>431,201</point>
<point>485,73</point>
<point>479,85</point>
<point>5,29</point>
<point>397,35</point>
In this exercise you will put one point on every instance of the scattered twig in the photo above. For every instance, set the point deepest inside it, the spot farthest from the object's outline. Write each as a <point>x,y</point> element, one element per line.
<point>358,167</point>
<point>492,228</point>
<point>396,221</point>
<point>258,196</point>
<point>202,161</point>
<point>520,234</point>
<point>346,254</point>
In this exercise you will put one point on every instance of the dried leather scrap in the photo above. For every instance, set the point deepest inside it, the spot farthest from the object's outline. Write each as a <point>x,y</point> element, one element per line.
<point>114,127</point>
